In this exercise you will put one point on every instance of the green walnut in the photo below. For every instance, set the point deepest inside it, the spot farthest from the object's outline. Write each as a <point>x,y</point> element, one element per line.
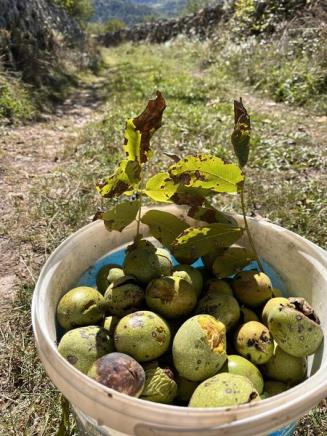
<point>143,335</point>
<point>247,315</point>
<point>115,274</point>
<point>254,342</point>
<point>239,365</point>
<point>120,372</point>
<point>190,274</point>
<point>160,386</point>
<point>252,288</point>
<point>108,274</point>
<point>110,323</point>
<point>146,262</point>
<point>269,305</point>
<point>199,347</point>
<point>123,296</point>
<point>79,307</point>
<point>185,389</point>
<point>84,345</point>
<point>295,327</point>
<point>223,390</point>
<point>285,368</point>
<point>223,307</point>
<point>217,286</point>
<point>272,388</point>
<point>172,296</point>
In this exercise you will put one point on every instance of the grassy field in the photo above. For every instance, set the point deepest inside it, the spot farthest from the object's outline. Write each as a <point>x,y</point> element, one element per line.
<point>286,184</point>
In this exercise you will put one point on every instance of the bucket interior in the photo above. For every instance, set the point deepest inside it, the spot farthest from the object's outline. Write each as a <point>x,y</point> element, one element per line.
<point>295,266</point>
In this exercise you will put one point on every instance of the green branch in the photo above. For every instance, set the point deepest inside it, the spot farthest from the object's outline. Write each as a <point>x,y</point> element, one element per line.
<point>247,229</point>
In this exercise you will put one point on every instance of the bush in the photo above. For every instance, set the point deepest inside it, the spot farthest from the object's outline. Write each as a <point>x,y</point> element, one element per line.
<point>293,70</point>
<point>80,9</point>
<point>113,25</point>
<point>15,100</point>
<point>256,16</point>
<point>288,63</point>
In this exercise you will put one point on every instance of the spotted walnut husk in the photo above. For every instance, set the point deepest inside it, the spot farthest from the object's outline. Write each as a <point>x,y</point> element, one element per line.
<point>224,390</point>
<point>254,342</point>
<point>295,327</point>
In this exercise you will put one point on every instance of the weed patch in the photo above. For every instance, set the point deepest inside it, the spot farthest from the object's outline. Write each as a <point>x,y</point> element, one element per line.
<point>289,66</point>
<point>15,99</point>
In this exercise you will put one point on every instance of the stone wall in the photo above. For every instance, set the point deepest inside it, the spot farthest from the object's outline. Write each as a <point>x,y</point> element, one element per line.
<point>28,27</point>
<point>199,24</point>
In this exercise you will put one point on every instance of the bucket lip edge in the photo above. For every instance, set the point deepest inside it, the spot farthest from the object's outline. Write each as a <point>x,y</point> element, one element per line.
<point>320,251</point>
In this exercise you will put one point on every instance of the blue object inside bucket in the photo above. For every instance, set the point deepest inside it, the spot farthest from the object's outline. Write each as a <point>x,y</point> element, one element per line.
<point>117,257</point>
<point>285,431</point>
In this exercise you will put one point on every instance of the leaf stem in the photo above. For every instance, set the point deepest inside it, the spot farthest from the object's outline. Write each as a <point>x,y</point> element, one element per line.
<point>140,192</point>
<point>248,229</point>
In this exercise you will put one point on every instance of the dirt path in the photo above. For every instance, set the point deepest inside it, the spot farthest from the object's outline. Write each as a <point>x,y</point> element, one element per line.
<point>28,152</point>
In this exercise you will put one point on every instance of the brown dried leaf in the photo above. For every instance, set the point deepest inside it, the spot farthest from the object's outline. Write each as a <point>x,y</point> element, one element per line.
<point>148,122</point>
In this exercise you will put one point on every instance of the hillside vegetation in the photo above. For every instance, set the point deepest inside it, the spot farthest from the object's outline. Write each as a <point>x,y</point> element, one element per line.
<point>127,11</point>
<point>281,52</point>
<point>137,11</point>
<point>277,48</point>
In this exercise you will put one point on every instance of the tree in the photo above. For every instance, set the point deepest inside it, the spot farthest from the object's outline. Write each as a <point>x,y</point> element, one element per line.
<point>113,25</point>
<point>82,10</point>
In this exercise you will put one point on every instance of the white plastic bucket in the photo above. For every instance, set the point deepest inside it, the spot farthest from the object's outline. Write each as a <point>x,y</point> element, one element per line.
<point>302,267</point>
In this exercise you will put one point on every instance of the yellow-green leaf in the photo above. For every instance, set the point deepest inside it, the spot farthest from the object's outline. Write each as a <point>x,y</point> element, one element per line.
<point>132,146</point>
<point>160,187</point>
<point>241,134</point>
<point>164,226</point>
<point>231,261</point>
<point>198,241</point>
<point>121,215</point>
<point>207,172</point>
<point>126,176</point>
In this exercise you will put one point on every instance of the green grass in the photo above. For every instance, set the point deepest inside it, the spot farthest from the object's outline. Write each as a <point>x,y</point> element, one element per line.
<point>16,101</point>
<point>29,401</point>
<point>44,80</point>
<point>21,102</point>
<point>285,184</point>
